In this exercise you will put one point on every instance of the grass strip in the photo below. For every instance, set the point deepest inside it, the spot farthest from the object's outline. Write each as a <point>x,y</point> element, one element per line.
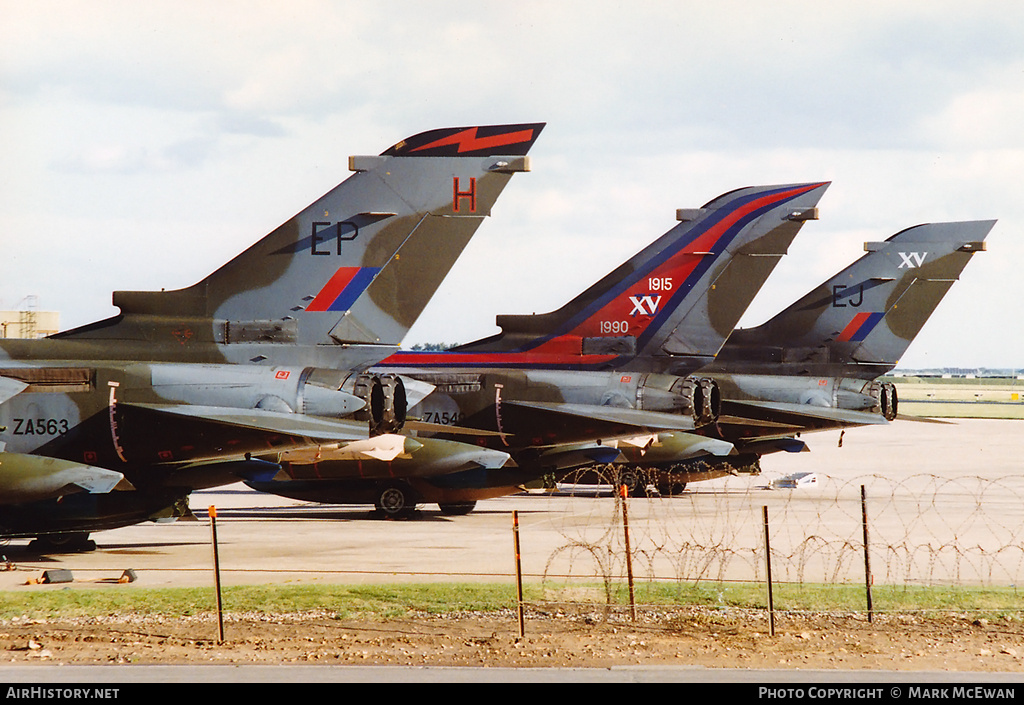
<point>397,600</point>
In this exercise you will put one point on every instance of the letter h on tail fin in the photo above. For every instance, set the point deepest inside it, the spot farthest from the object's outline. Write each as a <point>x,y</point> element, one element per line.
<point>358,265</point>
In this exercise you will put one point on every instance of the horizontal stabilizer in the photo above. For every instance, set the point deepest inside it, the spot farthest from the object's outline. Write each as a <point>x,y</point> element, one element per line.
<point>731,420</point>
<point>783,412</point>
<point>416,390</point>
<point>262,420</point>
<point>921,419</point>
<point>636,418</point>
<point>438,428</point>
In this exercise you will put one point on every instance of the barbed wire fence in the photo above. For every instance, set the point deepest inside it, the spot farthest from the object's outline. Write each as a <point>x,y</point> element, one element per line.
<point>925,530</point>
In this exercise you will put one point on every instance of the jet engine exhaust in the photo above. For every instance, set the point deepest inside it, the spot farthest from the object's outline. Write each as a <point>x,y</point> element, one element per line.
<point>386,402</point>
<point>698,398</point>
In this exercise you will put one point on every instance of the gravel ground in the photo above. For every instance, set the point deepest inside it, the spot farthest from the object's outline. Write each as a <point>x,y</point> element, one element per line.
<point>698,637</point>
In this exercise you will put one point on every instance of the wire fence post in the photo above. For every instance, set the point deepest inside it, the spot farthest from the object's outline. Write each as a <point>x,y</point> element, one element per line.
<point>629,553</point>
<point>867,558</point>
<point>519,572</point>
<point>216,574</point>
<point>768,572</point>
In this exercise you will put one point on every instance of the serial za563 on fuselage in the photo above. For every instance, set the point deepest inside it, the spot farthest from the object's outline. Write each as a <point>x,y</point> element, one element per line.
<point>116,422</point>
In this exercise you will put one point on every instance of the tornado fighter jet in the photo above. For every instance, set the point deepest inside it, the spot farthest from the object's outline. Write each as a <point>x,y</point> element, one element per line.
<point>553,389</point>
<point>815,365</point>
<point>115,422</point>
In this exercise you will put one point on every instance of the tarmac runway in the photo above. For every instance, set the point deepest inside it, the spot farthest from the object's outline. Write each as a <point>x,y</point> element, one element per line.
<point>957,484</point>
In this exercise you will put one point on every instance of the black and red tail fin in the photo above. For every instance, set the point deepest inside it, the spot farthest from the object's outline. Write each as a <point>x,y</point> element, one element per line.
<point>357,266</point>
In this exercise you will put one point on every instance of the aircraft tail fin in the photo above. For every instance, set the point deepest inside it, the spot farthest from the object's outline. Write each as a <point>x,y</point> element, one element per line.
<point>356,266</point>
<point>868,314</point>
<point>672,305</point>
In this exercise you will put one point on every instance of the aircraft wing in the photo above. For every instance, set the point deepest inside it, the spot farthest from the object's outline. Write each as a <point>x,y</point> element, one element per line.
<point>805,416</point>
<point>578,455</point>
<point>173,434</point>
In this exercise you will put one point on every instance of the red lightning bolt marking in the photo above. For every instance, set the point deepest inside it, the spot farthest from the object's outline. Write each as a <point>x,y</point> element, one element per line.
<point>468,141</point>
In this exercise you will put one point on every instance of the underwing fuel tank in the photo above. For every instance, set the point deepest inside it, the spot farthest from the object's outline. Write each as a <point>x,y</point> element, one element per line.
<point>662,449</point>
<point>30,478</point>
<point>388,456</point>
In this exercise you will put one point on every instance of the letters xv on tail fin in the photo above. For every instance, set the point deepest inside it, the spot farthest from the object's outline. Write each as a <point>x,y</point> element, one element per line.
<point>671,306</point>
<point>861,321</point>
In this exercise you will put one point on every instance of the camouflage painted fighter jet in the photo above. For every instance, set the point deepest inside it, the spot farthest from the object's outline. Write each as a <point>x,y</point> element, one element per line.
<point>186,389</point>
<point>550,385</point>
<point>815,366</point>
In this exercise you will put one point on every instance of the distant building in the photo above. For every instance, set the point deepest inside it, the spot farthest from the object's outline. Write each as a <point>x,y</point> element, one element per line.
<point>28,323</point>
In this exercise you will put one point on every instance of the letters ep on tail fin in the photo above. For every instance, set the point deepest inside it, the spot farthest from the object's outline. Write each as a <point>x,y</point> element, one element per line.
<point>356,266</point>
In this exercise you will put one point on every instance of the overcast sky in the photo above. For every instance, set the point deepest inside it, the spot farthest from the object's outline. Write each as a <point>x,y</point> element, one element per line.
<point>142,144</point>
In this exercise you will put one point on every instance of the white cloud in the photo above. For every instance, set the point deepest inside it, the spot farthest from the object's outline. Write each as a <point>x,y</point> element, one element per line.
<point>982,119</point>
<point>198,127</point>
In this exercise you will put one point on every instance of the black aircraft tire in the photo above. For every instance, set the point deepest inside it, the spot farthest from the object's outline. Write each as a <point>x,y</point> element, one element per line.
<point>393,501</point>
<point>672,490</point>
<point>635,482</point>
<point>75,542</point>
<point>456,509</point>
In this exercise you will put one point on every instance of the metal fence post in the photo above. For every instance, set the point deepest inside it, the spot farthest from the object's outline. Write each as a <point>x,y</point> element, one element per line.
<point>867,559</point>
<point>216,574</point>
<point>768,569</point>
<point>519,572</point>
<point>624,491</point>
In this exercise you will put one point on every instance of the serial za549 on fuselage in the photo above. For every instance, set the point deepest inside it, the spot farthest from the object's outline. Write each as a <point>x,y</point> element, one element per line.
<point>550,389</point>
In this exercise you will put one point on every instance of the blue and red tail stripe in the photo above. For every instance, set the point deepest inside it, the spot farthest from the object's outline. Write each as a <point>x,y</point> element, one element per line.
<point>687,263</point>
<point>710,236</point>
<point>859,327</point>
<point>343,288</point>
